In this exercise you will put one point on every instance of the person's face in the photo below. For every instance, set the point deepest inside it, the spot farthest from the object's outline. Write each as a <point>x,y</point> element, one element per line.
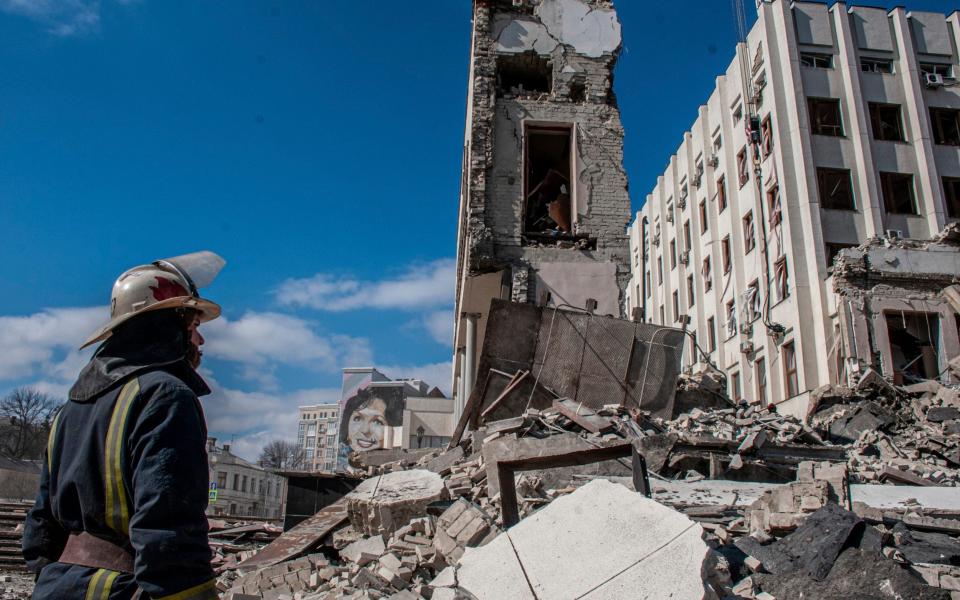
<point>196,340</point>
<point>365,429</point>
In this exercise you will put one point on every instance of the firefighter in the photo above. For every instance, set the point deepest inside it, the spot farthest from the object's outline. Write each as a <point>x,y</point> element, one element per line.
<point>124,485</point>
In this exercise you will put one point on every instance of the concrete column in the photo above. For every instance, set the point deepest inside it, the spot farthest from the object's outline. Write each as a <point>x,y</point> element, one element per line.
<point>470,354</point>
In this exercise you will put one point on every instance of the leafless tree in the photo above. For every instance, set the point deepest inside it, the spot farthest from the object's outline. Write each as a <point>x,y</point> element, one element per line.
<point>25,417</point>
<point>282,455</point>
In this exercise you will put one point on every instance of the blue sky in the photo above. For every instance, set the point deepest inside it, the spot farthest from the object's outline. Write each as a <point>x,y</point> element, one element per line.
<point>315,145</point>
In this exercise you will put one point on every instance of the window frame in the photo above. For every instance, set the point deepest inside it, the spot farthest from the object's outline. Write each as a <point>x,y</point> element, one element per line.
<point>722,193</point>
<point>791,376</point>
<point>870,61</point>
<point>938,115</point>
<point>691,292</point>
<point>743,169</point>
<point>760,376</point>
<point>951,199</point>
<point>887,182</point>
<point>819,128</point>
<point>749,232</point>
<point>816,60</point>
<point>781,278</point>
<point>823,172</point>
<point>876,122</point>
<point>726,254</point>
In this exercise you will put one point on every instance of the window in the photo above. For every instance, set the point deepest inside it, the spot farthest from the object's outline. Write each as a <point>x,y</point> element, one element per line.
<point>760,374</point>
<point>766,137</point>
<point>773,203</point>
<point>236,482</point>
<point>722,194</point>
<point>951,194</point>
<point>705,271</point>
<point>898,195</point>
<point>686,236</point>
<point>735,391</point>
<point>936,69</point>
<point>523,74</point>
<point>717,143</point>
<point>712,334</point>
<point>221,480</point>
<point>743,172</point>
<point>887,122</point>
<point>753,300</point>
<point>673,254</point>
<point>648,286</point>
<point>815,60</point>
<point>749,237</point>
<point>825,116</point>
<point>731,318</point>
<point>737,114</point>
<point>243,485</point>
<point>725,254</point>
<point>547,180</point>
<point>691,292</point>
<point>835,188</point>
<point>676,305</point>
<point>946,126</point>
<point>876,65</point>
<point>704,225</point>
<point>780,278</point>
<point>790,382</point>
<point>833,249</point>
<point>659,270</point>
<point>663,318</point>
<point>269,488</point>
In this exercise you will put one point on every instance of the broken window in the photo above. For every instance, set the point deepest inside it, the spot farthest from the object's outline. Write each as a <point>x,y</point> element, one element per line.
<point>659,270</point>
<point>737,114</point>
<point>816,60</point>
<point>722,194</point>
<point>717,143</point>
<point>736,391</point>
<point>825,116</point>
<point>686,235</point>
<point>951,194</point>
<point>547,171</point>
<point>914,345</point>
<point>943,70</point>
<point>760,374</point>
<point>773,202</point>
<point>791,383</point>
<point>876,65</point>
<point>676,305</point>
<point>887,122</point>
<point>752,301</point>
<point>766,136</point>
<point>898,197</point>
<point>705,271</point>
<point>731,318</point>
<point>743,172</point>
<point>780,278</point>
<point>704,225</point>
<point>691,300</point>
<point>749,237</point>
<point>673,254</point>
<point>946,126</point>
<point>725,253</point>
<point>835,188</point>
<point>712,334</point>
<point>524,74</point>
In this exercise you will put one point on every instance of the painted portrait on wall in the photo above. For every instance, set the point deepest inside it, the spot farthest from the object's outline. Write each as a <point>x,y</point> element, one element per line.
<point>367,419</point>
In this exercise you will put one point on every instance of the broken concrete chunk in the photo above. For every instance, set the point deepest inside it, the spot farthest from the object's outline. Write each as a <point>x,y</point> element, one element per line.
<point>604,539</point>
<point>446,578</point>
<point>365,550</point>
<point>384,504</point>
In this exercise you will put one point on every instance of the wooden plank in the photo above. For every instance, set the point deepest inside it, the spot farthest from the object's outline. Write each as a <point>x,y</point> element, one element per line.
<point>583,416</point>
<point>301,539</point>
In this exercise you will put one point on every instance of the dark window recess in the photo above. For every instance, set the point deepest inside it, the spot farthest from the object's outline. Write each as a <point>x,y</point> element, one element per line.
<point>704,223</point>
<point>749,238</point>
<point>936,69</point>
<point>725,254</point>
<point>524,74</point>
<point>825,116</point>
<point>711,334</point>
<point>676,305</point>
<point>876,65</point>
<point>790,379</point>
<point>547,171</point>
<point>816,60</point>
<point>577,91</point>
<point>776,210</point>
<point>914,342</point>
<point>951,193</point>
<point>898,196</point>
<point>743,171</point>
<point>721,194</point>
<point>835,189</point>
<point>766,137</point>
<point>833,249</point>
<point>691,292</point>
<point>946,126</point>
<point>887,122</point>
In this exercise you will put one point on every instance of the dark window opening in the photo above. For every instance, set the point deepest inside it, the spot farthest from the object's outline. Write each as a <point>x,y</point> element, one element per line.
<point>887,122</point>
<point>936,69</point>
<point>774,205</point>
<point>704,224</point>
<point>825,116</point>
<point>725,253</point>
<point>673,254</point>
<point>791,381</point>
<point>705,271</point>
<point>816,60</point>
<point>676,305</point>
<point>691,292</point>
<point>524,75</point>
<point>914,346</point>
<point>687,242</point>
<point>721,194</point>
<point>833,249</point>
<point>781,278</point>
<point>876,65</point>
<point>577,91</point>
<point>951,190</point>
<point>749,237</point>
<point>736,391</point>
<point>946,126</point>
<point>835,188</point>
<point>547,171</point>
<point>659,270</point>
<point>743,172</point>
<point>898,196</point>
<point>760,374</point>
<point>712,334</point>
<point>766,137</point>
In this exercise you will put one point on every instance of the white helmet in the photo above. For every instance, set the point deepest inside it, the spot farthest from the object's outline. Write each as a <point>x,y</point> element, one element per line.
<point>168,283</point>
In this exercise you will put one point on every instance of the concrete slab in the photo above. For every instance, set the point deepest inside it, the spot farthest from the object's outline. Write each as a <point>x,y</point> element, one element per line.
<point>899,497</point>
<point>606,542</point>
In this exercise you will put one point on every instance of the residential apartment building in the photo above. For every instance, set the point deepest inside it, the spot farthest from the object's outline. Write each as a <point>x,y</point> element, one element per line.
<point>543,199</point>
<point>833,125</point>
<point>239,488</point>
<point>317,436</point>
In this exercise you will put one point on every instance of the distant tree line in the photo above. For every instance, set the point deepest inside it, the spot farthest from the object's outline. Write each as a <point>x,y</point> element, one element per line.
<point>25,418</point>
<point>282,455</point>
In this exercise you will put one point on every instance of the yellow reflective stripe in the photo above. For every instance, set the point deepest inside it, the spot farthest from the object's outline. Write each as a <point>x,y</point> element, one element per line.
<point>100,585</point>
<point>94,584</point>
<point>117,508</point>
<point>108,585</point>
<point>204,591</point>
<point>52,440</point>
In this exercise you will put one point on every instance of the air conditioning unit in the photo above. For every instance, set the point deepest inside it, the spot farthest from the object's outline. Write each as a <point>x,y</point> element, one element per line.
<point>746,347</point>
<point>933,80</point>
<point>714,161</point>
<point>685,257</point>
<point>893,234</point>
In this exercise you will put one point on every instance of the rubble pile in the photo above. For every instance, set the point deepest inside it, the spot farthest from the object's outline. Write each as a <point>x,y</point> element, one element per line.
<point>234,541</point>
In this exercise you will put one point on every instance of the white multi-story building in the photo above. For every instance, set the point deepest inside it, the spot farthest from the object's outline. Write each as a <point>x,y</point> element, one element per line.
<point>317,436</point>
<point>833,125</point>
<point>239,488</point>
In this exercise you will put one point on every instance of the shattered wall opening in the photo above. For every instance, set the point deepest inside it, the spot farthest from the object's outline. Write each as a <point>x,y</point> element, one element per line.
<point>914,345</point>
<point>546,168</point>
<point>524,74</point>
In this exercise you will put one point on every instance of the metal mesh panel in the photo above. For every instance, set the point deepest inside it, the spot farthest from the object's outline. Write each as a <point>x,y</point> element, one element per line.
<point>606,356</point>
<point>560,351</point>
<point>653,372</point>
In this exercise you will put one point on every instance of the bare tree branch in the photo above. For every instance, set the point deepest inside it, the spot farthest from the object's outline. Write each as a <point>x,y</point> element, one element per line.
<point>25,417</point>
<point>282,455</point>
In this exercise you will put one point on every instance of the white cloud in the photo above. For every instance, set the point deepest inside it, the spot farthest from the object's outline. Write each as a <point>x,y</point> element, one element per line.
<point>60,17</point>
<point>435,374</point>
<point>36,343</point>
<point>419,287</point>
<point>440,325</point>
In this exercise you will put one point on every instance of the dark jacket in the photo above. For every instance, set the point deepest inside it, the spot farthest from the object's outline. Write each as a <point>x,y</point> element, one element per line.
<point>126,462</point>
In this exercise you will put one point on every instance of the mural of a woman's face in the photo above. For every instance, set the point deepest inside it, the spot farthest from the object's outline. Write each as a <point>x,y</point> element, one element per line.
<point>366,425</point>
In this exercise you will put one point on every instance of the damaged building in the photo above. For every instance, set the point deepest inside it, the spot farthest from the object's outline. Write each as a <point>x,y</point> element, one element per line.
<point>544,201</point>
<point>833,126</point>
